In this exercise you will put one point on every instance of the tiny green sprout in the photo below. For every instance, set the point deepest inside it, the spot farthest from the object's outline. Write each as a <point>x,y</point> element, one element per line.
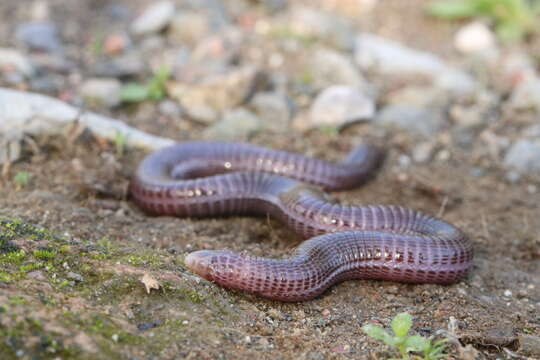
<point>405,343</point>
<point>329,130</point>
<point>120,141</point>
<point>157,85</point>
<point>22,178</point>
<point>154,90</point>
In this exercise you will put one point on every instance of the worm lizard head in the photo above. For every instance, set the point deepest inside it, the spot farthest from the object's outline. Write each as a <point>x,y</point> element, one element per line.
<point>200,262</point>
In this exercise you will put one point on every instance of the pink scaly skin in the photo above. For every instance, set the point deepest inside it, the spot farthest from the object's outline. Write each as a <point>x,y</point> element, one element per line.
<point>394,243</point>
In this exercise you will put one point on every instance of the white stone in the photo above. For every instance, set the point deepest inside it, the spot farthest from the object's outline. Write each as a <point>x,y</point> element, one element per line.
<point>475,37</point>
<point>13,58</point>
<point>154,18</point>
<point>37,114</point>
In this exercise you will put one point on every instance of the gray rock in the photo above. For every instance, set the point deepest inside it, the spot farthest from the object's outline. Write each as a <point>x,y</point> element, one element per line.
<point>42,36</point>
<point>37,275</point>
<point>170,108</point>
<point>532,131</point>
<point>423,152</point>
<point>220,92</point>
<point>154,18</point>
<point>339,105</point>
<point>387,57</point>
<point>101,91</point>
<point>310,22</point>
<point>189,27</point>
<point>329,67</point>
<point>203,113</point>
<point>274,109</point>
<point>526,95</point>
<point>236,124</point>
<point>524,157</point>
<point>74,276</point>
<point>416,120</point>
<point>48,83</point>
<point>127,65</point>
<point>11,58</point>
<point>10,145</point>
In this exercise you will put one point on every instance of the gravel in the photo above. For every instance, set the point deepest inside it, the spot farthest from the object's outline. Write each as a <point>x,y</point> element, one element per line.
<point>524,157</point>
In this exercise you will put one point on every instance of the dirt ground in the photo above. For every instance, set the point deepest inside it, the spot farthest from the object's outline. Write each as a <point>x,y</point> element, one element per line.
<point>72,289</point>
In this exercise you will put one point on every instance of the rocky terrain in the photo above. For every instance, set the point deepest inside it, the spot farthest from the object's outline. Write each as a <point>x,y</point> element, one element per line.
<point>88,88</point>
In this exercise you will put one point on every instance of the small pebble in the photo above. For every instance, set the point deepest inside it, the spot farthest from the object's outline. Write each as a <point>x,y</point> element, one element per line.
<point>148,325</point>
<point>101,91</point>
<point>274,109</point>
<point>170,108</point>
<point>11,59</point>
<point>523,157</point>
<point>423,152</point>
<point>415,120</point>
<point>236,124</point>
<point>475,37</point>
<point>74,276</point>
<point>338,105</point>
<point>41,36</point>
<point>154,18</point>
<point>329,67</point>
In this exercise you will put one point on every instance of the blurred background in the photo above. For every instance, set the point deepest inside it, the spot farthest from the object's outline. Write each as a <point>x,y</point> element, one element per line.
<point>451,90</point>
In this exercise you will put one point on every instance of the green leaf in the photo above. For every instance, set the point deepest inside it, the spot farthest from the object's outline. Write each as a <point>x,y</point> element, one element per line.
<point>156,87</point>
<point>510,31</point>
<point>134,92</point>
<point>401,324</point>
<point>378,333</point>
<point>453,9</point>
<point>416,343</point>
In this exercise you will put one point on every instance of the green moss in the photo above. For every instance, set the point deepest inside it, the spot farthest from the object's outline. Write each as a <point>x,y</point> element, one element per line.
<point>43,254</point>
<point>101,325</point>
<point>17,300</point>
<point>5,277</point>
<point>49,345</point>
<point>26,268</point>
<point>15,257</point>
<point>16,229</point>
<point>139,260</point>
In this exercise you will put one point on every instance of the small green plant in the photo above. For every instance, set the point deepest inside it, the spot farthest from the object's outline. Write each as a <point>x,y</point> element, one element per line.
<point>22,178</point>
<point>405,343</point>
<point>120,141</point>
<point>513,19</point>
<point>154,90</point>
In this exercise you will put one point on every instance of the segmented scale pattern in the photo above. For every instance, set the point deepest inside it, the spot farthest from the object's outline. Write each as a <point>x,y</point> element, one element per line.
<point>325,260</point>
<point>363,242</point>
